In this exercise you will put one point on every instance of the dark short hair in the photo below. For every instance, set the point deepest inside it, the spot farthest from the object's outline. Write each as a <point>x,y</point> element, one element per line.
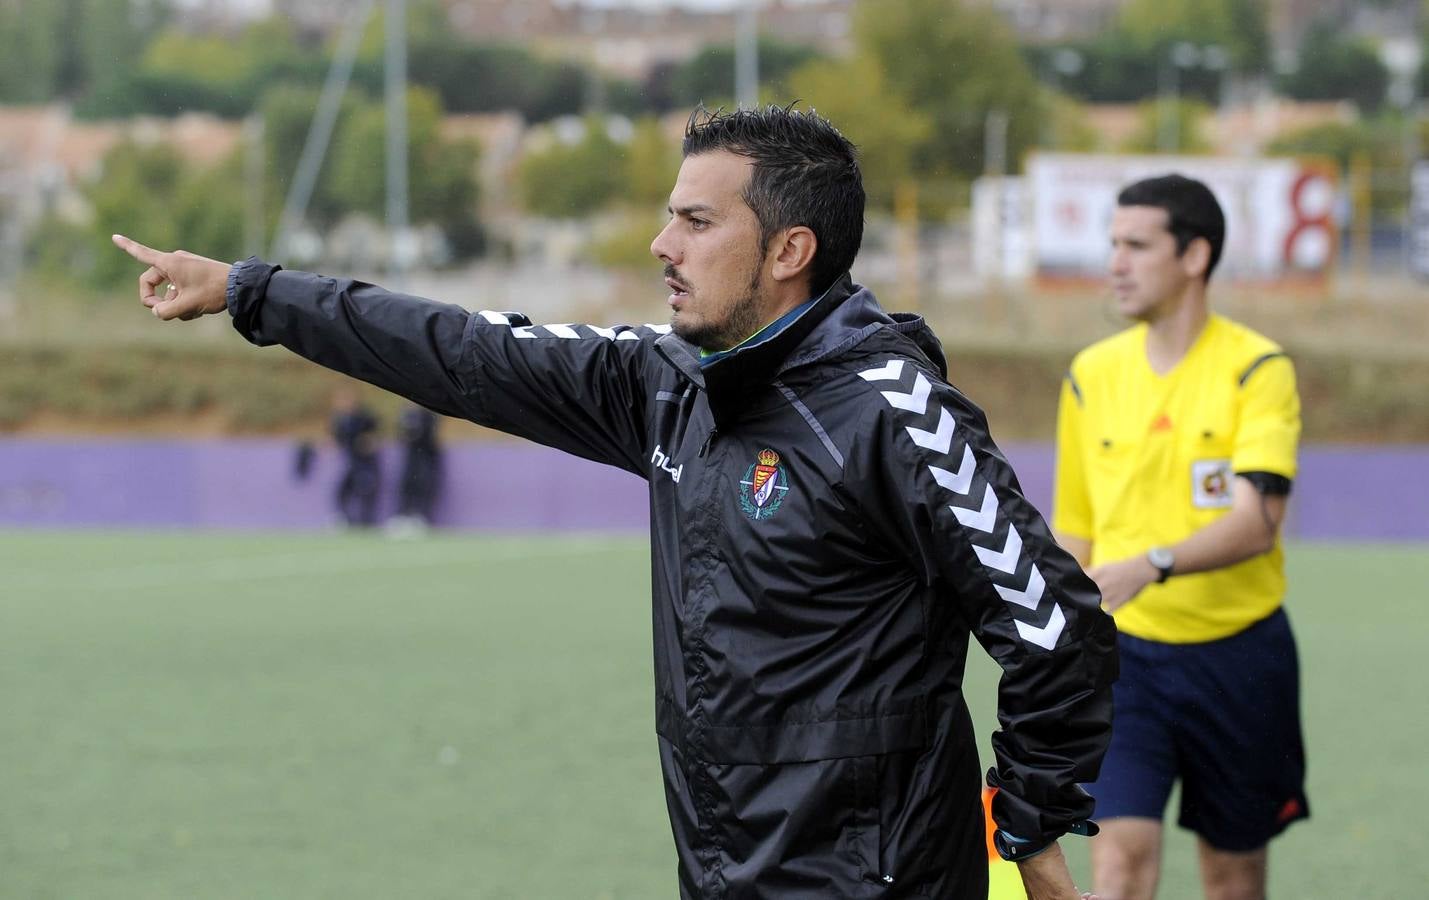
<point>804,173</point>
<point>1191,211</point>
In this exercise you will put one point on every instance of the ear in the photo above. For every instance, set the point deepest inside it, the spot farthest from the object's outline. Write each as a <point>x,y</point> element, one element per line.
<point>793,252</point>
<point>1197,258</point>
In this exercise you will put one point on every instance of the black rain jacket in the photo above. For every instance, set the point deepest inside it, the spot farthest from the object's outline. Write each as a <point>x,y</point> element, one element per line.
<point>829,521</point>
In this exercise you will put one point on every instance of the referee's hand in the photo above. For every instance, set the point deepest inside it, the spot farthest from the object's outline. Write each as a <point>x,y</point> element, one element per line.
<point>196,285</point>
<point>1120,582</point>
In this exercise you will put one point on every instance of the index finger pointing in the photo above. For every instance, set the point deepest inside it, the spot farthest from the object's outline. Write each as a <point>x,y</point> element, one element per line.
<point>137,250</point>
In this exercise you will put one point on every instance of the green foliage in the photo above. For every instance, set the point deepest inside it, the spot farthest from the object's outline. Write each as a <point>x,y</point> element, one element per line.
<point>78,50</point>
<point>1241,27</point>
<point>1334,67</point>
<point>629,246</point>
<point>442,187</point>
<point>651,163</point>
<point>1190,117</point>
<point>708,76</point>
<point>492,77</point>
<point>567,181</point>
<point>1340,141</point>
<point>31,34</point>
<point>1129,61</point>
<point>118,57</point>
<point>149,192</point>
<point>234,75</point>
<point>955,62</point>
<point>1112,70</point>
<point>887,132</point>
<point>1378,143</point>
<point>1067,129</point>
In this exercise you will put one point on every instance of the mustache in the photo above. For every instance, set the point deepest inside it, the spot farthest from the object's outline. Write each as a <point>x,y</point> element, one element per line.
<point>673,273</point>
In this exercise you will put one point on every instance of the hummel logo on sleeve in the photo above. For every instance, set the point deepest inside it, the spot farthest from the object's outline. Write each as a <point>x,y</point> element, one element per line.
<point>521,327</point>
<point>955,470</point>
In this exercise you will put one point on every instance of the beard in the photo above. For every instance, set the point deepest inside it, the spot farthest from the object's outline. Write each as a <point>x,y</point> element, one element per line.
<point>739,321</point>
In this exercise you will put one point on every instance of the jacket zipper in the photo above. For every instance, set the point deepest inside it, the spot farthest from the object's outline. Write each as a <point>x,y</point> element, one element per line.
<point>709,439</point>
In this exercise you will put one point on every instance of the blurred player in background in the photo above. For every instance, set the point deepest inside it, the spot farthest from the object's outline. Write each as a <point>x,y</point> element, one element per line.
<point>421,471</point>
<point>830,521</point>
<point>354,430</point>
<point>1176,451</point>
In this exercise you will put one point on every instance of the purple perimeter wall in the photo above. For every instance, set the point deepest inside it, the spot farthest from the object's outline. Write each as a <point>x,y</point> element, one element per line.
<point>1343,493</point>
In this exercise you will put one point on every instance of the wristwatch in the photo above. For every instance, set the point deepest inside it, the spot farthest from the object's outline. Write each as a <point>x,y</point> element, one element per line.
<point>1164,561</point>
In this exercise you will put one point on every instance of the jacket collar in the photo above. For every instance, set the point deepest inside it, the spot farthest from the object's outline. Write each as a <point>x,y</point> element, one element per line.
<point>839,318</point>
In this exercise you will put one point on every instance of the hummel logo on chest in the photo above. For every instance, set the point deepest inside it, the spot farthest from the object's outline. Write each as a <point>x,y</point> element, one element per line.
<point>658,458</point>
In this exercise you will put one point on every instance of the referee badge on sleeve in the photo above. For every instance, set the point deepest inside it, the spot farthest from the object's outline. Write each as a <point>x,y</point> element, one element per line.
<point>1211,483</point>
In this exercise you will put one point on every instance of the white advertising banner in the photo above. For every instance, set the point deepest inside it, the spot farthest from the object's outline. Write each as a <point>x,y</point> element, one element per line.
<point>1280,213</point>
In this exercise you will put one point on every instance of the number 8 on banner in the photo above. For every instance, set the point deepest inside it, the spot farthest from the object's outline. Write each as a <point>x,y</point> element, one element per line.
<point>1310,242</point>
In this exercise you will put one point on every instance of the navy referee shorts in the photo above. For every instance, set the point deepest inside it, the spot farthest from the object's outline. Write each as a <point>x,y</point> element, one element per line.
<point>1223,718</point>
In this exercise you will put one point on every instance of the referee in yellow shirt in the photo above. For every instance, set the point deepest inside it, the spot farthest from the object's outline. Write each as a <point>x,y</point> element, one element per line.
<point>1176,447</point>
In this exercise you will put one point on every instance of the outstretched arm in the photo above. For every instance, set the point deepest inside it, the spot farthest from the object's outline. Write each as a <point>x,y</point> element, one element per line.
<point>575,388</point>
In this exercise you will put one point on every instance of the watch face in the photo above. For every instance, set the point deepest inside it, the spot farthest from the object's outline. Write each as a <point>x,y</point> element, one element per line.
<point>1160,557</point>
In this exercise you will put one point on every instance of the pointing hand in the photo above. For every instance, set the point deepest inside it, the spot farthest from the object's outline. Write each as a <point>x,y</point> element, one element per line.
<point>196,285</point>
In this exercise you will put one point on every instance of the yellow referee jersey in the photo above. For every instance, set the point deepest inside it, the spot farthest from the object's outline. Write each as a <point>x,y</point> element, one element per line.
<point>1145,460</point>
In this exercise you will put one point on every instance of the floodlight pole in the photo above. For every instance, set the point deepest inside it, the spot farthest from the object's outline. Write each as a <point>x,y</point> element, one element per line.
<point>253,176</point>
<point>746,56</point>
<point>320,132</point>
<point>397,198</point>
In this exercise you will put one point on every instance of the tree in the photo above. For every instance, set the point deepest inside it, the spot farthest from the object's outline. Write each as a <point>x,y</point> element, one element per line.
<point>71,49</point>
<point>708,77</point>
<point>1239,26</point>
<point>887,132</point>
<point>442,183</point>
<point>567,181</point>
<point>151,191</point>
<point>1334,67</point>
<point>955,63</point>
<point>1151,117</point>
<point>651,164</point>
<point>233,75</point>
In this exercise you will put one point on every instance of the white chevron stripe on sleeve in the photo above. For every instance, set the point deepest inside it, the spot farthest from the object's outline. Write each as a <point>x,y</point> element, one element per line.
<point>915,400</point>
<point>938,441</point>
<point>983,519</point>
<point>1046,636</point>
<point>660,329</point>
<point>961,481</point>
<point>524,331</point>
<point>627,336</point>
<point>563,331</point>
<point>494,318</point>
<point>891,372</point>
<point>607,333</point>
<point>1004,560</point>
<point>1031,596</point>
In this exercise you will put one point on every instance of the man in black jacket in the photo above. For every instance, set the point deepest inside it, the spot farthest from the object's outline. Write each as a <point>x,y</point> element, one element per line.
<point>830,520</point>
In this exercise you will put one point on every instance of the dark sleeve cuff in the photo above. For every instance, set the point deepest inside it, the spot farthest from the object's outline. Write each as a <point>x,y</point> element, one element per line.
<point>1016,849</point>
<point>247,285</point>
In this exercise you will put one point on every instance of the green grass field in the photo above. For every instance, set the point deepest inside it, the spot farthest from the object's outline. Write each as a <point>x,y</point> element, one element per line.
<point>266,716</point>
